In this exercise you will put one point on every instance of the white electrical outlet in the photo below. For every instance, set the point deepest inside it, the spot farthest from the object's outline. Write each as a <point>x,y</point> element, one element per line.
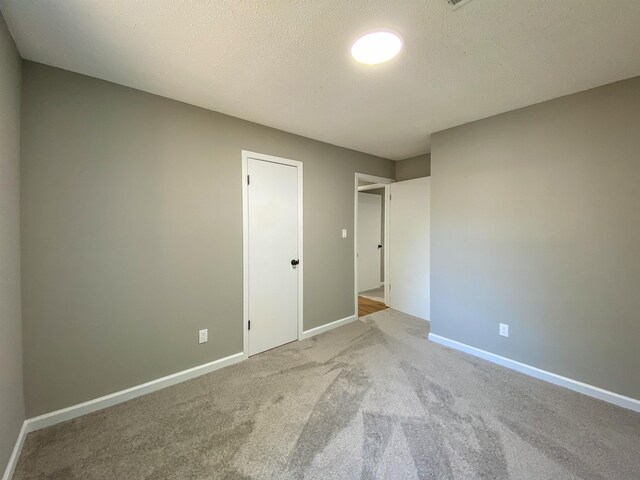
<point>504,329</point>
<point>344,233</point>
<point>203,335</point>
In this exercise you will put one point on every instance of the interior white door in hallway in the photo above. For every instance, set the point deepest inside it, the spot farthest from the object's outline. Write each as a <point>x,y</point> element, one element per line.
<point>273,214</point>
<point>409,248</point>
<point>369,238</point>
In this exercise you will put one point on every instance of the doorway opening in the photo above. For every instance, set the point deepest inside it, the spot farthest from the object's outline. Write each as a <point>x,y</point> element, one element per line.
<point>370,238</point>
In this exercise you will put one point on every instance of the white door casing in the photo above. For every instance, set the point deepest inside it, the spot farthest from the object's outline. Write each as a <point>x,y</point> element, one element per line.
<point>369,237</point>
<point>370,179</point>
<point>409,247</point>
<point>273,238</point>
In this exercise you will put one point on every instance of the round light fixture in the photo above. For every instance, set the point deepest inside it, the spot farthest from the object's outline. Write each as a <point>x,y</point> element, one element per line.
<point>376,47</point>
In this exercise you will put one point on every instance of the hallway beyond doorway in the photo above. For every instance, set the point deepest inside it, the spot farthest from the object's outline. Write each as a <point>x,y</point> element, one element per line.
<point>367,306</point>
<point>376,294</point>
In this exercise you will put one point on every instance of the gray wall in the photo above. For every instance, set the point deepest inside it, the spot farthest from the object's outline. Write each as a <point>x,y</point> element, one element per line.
<point>536,223</point>
<point>414,167</point>
<point>11,396</point>
<point>132,233</point>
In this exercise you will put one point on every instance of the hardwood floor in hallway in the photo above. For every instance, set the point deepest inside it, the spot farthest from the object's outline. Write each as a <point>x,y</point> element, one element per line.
<point>366,306</point>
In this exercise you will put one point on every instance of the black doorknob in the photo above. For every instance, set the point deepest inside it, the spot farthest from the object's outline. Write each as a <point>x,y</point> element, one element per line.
<point>295,262</point>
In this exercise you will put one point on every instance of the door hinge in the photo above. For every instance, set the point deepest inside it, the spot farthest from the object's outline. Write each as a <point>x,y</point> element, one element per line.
<point>249,324</point>
<point>248,180</point>
<point>390,197</point>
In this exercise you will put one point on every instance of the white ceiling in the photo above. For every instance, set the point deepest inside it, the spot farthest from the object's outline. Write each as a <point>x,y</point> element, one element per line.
<point>287,64</point>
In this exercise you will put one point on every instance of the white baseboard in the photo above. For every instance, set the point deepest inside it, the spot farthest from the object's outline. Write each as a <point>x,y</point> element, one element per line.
<point>52,418</point>
<point>575,385</point>
<point>84,408</point>
<point>327,327</point>
<point>15,455</point>
<point>74,411</point>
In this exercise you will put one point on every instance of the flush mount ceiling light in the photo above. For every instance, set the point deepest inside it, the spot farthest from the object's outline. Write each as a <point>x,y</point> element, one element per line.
<point>376,47</point>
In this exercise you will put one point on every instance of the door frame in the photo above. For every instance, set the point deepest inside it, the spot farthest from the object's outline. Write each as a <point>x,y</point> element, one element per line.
<point>245,242</point>
<point>385,182</point>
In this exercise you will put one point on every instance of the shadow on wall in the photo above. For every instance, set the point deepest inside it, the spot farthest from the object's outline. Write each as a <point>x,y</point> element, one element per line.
<point>414,167</point>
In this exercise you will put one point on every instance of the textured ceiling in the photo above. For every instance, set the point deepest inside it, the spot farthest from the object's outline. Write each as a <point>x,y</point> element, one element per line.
<point>287,64</point>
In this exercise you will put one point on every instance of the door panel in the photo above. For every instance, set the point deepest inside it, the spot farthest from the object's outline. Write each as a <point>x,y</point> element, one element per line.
<point>369,237</point>
<point>409,261</point>
<point>273,244</point>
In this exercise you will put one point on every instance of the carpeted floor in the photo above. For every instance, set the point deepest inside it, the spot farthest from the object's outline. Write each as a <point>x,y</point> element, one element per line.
<point>373,399</point>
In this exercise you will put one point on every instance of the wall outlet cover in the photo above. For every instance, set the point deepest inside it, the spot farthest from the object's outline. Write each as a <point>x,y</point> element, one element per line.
<point>344,233</point>
<point>504,329</point>
<point>203,335</point>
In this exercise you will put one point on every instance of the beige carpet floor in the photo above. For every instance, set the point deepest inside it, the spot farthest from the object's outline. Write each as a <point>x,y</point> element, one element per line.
<point>373,399</point>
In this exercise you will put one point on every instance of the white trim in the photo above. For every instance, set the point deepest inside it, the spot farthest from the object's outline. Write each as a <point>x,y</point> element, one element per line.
<point>575,385</point>
<point>373,186</point>
<point>245,242</point>
<point>69,413</point>
<point>382,182</point>
<point>90,406</point>
<point>387,244</point>
<point>328,326</point>
<point>245,256</point>
<point>15,455</point>
<point>372,178</point>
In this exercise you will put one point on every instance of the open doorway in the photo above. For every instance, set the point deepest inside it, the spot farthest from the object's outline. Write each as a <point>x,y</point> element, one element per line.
<point>370,238</point>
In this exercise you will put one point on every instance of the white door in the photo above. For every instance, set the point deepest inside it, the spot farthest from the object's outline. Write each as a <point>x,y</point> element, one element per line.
<point>273,245</point>
<point>409,261</point>
<point>369,237</point>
